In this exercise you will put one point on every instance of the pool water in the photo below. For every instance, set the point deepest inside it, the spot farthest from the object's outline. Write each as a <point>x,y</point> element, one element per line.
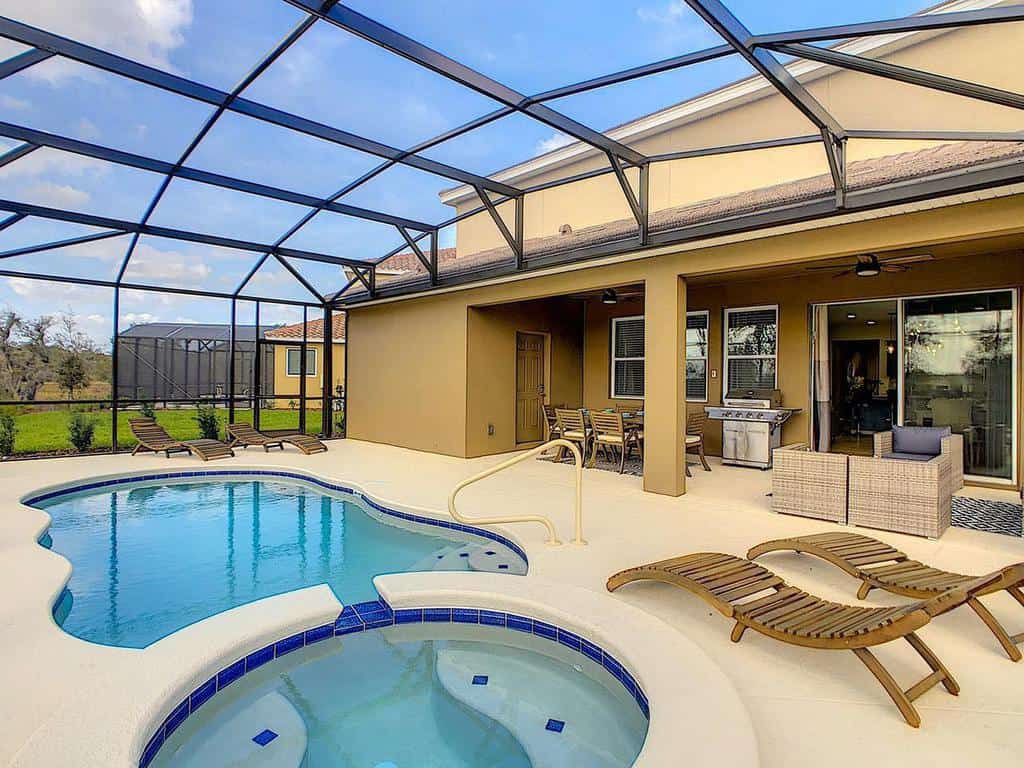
<point>149,559</point>
<point>427,696</point>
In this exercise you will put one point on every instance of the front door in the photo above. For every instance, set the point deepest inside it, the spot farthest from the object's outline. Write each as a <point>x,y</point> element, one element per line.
<point>529,387</point>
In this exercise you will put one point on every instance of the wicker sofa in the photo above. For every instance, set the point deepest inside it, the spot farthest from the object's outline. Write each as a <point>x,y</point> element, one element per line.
<point>906,492</point>
<point>809,483</point>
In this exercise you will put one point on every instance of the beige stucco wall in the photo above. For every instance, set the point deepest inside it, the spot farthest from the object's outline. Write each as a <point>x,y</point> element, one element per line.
<point>289,385</point>
<point>491,382</point>
<point>992,55</point>
<point>794,295</point>
<point>410,362</point>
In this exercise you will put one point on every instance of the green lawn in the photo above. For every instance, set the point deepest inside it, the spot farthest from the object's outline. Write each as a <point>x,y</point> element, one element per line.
<point>41,431</point>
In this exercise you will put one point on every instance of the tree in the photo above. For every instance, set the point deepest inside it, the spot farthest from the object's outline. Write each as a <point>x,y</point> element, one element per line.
<point>71,374</point>
<point>25,355</point>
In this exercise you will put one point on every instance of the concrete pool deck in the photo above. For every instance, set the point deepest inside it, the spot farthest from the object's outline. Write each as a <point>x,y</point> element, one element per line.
<point>800,702</point>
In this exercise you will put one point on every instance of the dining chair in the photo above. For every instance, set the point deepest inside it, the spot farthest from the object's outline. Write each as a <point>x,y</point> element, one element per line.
<point>554,431</point>
<point>572,426</point>
<point>695,423</point>
<point>611,434</point>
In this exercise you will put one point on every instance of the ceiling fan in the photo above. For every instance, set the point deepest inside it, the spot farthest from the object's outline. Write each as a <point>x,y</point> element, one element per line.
<point>870,265</point>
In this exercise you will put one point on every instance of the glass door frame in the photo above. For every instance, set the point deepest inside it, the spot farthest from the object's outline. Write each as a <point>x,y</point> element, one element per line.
<point>900,373</point>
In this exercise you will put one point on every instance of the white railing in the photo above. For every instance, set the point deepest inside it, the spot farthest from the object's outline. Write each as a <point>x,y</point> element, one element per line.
<point>546,522</point>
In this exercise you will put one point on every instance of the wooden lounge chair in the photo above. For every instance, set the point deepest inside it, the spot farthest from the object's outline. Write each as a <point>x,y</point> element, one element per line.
<point>880,566</point>
<point>153,437</point>
<point>244,435</point>
<point>757,599</point>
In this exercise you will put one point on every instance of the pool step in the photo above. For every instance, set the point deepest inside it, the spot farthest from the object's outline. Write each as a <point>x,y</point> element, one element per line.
<point>267,733</point>
<point>541,708</point>
<point>486,558</point>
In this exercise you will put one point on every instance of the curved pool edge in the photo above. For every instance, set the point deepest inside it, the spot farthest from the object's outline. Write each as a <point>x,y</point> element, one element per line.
<point>64,682</point>
<point>406,512</point>
<point>695,714</point>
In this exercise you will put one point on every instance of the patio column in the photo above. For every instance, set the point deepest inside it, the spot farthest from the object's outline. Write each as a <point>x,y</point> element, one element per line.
<point>665,384</point>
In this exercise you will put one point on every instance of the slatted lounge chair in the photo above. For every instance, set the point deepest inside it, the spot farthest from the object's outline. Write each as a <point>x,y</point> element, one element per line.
<point>757,599</point>
<point>880,566</point>
<point>244,435</point>
<point>153,437</point>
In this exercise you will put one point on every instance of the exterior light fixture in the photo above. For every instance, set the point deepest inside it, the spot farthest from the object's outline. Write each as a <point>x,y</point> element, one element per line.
<point>609,296</point>
<point>869,268</point>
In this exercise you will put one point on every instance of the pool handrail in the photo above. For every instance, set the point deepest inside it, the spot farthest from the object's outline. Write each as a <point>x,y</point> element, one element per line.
<point>546,522</point>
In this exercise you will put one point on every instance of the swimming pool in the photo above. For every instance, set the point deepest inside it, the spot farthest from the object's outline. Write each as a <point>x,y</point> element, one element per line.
<point>418,696</point>
<point>151,557</point>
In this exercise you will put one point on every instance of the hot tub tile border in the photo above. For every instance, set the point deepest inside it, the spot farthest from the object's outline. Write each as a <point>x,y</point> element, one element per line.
<point>336,487</point>
<point>375,614</point>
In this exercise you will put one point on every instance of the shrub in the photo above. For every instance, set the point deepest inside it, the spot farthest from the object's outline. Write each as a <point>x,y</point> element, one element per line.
<point>81,430</point>
<point>7,433</point>
<point>147,410</point>
<point>339,421</point>
<point>206,418</point>
<point>292,404</point>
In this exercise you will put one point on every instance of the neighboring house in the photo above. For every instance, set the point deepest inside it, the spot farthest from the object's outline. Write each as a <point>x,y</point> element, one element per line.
<point>184,361</point>
<point>747,278</point>
<point>287,344</point>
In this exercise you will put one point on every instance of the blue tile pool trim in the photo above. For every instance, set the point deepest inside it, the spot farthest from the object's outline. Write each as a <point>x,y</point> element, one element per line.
<point>375,614</point>
<point>450,525</point>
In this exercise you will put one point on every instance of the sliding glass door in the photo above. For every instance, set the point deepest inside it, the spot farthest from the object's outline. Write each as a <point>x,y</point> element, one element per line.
<point>958,371</point>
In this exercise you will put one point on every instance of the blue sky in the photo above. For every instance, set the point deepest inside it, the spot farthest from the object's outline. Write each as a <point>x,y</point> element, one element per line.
<point>530,45</point>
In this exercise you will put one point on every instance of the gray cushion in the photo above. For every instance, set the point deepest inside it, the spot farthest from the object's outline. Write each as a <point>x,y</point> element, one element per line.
<point>923,440</point>
<point>908,456</point>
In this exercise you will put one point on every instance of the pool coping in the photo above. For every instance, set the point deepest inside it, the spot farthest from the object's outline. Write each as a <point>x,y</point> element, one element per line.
<point>160,675</point>
<point>374,615</point>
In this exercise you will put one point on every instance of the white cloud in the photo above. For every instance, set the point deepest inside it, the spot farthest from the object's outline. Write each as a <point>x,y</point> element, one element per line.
<point>677,29</point>
<point>46,160</point>
<point>145,30</point>
<point>133,318</point>
<point>57,195</point>
<point>154,266</point>
<point>10,102</point>
<point>87,129</point>
<point>553,142</point>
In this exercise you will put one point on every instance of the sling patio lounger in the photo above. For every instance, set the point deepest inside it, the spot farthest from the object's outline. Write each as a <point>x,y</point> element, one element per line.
<point>758,599</point>
<point>245,435</point>
<point>880,566</point>
<point>153,437</point>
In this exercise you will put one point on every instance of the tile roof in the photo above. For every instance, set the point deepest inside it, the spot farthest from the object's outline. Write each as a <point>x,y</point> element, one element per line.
<point>860,174</point>
<point>314,330</point>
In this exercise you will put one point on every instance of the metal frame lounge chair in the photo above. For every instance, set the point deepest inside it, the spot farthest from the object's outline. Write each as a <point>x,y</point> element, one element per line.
<point>757,599</point>
<point>153,437</point>
<point>880,566</point>
<point>243,435</point>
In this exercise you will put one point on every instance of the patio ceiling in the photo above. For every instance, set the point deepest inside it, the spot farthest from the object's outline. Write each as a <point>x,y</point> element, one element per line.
<point>628,167</point>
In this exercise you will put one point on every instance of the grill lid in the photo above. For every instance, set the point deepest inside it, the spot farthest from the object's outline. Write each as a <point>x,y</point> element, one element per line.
<point>760,398</point>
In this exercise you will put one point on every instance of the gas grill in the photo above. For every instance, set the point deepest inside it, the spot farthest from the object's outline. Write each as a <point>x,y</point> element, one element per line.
<point>751,425</point>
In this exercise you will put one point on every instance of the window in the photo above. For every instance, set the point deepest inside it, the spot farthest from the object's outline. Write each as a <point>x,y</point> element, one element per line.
<point>628,357</point>
<point>295,361</point>
<point>697,356</point>
<point>751,347</point>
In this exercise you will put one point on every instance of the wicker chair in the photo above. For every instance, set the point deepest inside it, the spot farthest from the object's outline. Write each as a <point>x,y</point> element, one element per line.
<point>610,434</point>
<point>695,422</point>
<point>914,497</point>
<point>809,483</point>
